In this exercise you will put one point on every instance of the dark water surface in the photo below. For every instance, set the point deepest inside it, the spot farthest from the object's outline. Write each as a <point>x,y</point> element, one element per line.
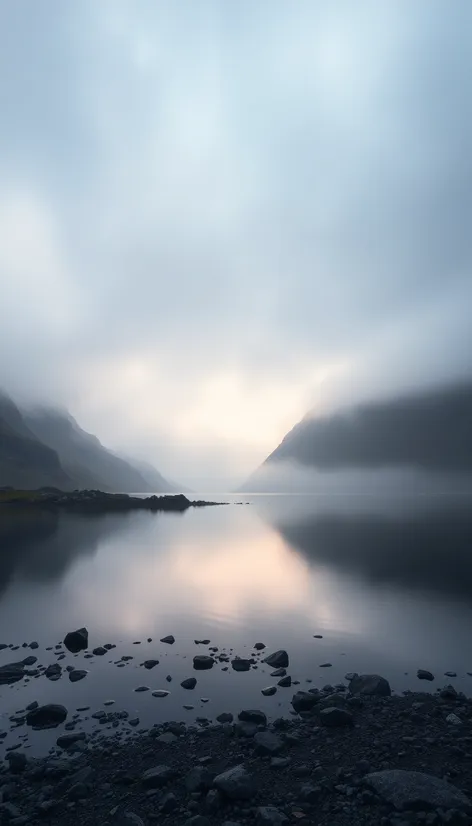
<point>388,584</point>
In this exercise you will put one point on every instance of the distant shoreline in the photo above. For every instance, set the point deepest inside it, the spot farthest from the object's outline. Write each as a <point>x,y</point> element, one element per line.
<point>96,500</point>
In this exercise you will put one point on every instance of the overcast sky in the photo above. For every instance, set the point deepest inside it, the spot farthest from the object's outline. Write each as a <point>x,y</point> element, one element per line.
<point>217,215</point>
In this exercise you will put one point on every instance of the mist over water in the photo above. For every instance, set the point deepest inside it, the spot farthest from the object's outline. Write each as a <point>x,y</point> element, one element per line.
<point>386,581</point>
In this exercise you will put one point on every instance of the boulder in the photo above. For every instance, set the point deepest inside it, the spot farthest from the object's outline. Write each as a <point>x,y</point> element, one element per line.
<point>304,701</point>
<point>333,717</point>
<point>202,662</point>
<point>47,716</point>
<point>76,641</point>
<point>370,684</point>
<point>417,791</point>
<point>251,715</point>
<point>235,783</point>
<point>279,659</point>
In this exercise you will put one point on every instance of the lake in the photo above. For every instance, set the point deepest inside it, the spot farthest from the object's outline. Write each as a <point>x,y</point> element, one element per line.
<point>386,582</point>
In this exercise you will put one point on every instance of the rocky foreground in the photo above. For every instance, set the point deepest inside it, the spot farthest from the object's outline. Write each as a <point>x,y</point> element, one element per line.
<point>352,754</point>
<point>97,500</point>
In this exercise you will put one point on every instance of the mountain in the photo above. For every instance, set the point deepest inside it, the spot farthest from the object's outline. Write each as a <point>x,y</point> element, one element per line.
<point>24,461</point>
<point>429,431</point>
<point>86,460</point>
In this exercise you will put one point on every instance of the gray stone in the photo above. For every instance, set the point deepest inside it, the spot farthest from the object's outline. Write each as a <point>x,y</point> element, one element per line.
<point>269,690</point>
<point>168,803</point>
<point>67,740</point>
<point>333,717</point>
<point>279,672</point>
<point>142,688</point>
<point>240,664</point>
<point>279,659</point>
<point>417,791</point>
<point>424,675</point>
<point>370,684</point>
<point>202,662</point>
<point>30,661</point>
<point>243,729</point>
<point>169,639</point>
<point>225,717</point>
<point>18,761</point>
<point>270,816</point>
<point>160,693</point>
<point>53,672</point>
<point>168,738</point>
<point>454,720</point>
<point>304,701</point>
<point>100,651</point>
<point>11,673</point>
<point>77,674</point>
<point>33,645</point>
<point>157,777</point>
<point>47,716</point>
<point>450,674</point>
<point>199,779</point>
<point>268,743</point>
<point>189,683</point>
<point>235,783</point>
<point>252,715</point>
<point>76,641</point>
<point>259,646</point>
<point>150,663</point>
<point>285,682</point>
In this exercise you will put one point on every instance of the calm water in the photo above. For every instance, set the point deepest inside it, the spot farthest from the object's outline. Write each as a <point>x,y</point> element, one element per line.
<point>387,583</point>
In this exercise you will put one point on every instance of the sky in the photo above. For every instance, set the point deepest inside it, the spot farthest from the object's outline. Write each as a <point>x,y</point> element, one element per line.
<point>217,216</point>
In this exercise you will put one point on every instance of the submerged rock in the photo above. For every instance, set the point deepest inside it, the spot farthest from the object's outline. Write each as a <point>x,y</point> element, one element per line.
<point>76,641</point>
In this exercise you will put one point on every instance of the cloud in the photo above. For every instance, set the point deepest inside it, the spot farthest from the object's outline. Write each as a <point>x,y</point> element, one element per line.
<point>231,197</point>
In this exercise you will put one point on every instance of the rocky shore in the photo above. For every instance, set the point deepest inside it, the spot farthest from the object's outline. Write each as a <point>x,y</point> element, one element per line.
<point>97,500</point>
<point>350,754</point>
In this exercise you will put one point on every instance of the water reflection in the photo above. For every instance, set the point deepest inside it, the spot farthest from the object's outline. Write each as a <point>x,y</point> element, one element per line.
<point>426,548</point>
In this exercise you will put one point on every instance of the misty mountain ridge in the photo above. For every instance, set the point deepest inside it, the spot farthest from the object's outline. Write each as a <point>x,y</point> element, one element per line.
<point>45,446</point>
<point>427,432</point>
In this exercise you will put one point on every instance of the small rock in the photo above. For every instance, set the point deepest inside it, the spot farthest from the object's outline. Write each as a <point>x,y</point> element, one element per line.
<point>450,674</point>
<point>77,674</point>
<point>76,641</point>
<point>169,639</point>
<point>53,672</point>
<point>259,646</point>
<point>157,777</point>
<point>189,683</point>
<point>279,672</point>
<point>251,715</point>
<point>310,794</point>
<point>304,701</point>
<point>269,691</point>
<point>168,738</point>
<point>202,662</point>
<point>370,684</point>
<point>235,783</point>
<point>100,651</point>
<point>333,717</point>
<point>33,645</point>
<point>150,663</point>
<point>279,762</point>
<point>225,717</point>
<point>326,665</point>
<point>65,741</point>
<point>268,743</point>
<point>285,682</point>
<point>160,693</point>
<point>202,642</point>
<point>279,659</point>
<point>142,688</point>
<point>318,636</point>
<point>454,720</point>
<point>422,674</point>
<point>270,816</point>
<point>240,664</point>
<point>168,803</point>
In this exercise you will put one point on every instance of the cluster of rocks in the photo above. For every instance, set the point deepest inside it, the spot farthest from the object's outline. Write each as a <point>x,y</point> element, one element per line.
<point>352,754</point>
